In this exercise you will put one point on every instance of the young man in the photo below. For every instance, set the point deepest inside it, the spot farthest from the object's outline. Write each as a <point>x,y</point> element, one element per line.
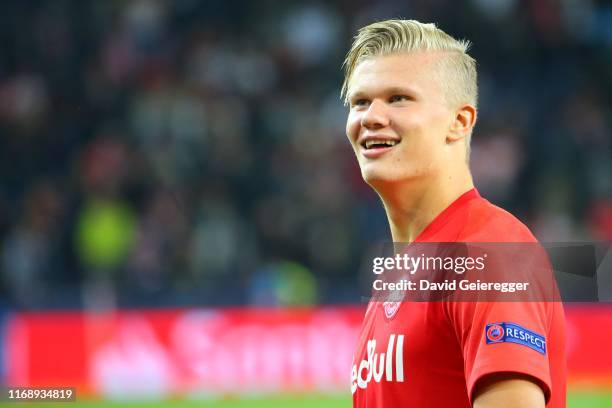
<point>412,94</point>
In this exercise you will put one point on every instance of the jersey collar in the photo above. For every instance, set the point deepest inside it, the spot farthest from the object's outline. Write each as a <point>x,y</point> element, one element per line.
<point>445,217</point>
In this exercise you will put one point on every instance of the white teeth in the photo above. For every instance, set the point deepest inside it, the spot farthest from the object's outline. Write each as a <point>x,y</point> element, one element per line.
<point>370,143</point>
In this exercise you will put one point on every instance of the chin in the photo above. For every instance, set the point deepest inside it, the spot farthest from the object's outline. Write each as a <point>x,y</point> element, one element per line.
<point>378,177</point>
<point>375,177</point>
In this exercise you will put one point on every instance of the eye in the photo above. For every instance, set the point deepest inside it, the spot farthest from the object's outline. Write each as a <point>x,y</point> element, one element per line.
<point>360,102</point>
<point>398,98</point>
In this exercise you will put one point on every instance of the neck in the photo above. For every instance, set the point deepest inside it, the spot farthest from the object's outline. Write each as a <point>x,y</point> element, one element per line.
<point>412,205</point>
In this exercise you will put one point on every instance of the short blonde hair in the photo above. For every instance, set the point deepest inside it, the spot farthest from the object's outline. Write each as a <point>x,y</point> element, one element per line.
<point>398,36</point>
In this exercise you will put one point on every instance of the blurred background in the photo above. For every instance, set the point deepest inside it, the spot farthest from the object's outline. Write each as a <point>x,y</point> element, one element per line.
<point>187,157</point>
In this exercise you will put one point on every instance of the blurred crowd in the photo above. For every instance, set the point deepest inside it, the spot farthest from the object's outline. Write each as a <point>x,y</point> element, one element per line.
<point>184,152</point>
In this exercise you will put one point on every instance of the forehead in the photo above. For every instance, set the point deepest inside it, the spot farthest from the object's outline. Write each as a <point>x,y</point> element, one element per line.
<point>416,70</point>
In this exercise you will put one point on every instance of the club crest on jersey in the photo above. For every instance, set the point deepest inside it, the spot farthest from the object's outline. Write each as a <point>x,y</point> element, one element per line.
<point>513,333</point>
<point>391,308</point>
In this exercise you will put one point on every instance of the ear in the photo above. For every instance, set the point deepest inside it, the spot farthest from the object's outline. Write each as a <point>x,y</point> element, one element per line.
<point>463,123</point>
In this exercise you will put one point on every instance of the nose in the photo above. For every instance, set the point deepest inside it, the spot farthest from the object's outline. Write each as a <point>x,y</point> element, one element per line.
<point>376,116</point>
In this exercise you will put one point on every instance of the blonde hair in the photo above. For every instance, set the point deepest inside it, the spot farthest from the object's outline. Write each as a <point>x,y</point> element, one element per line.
<point>397,36</point>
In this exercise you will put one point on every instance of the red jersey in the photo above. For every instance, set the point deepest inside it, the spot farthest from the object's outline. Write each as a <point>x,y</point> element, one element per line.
<point>431,354</point>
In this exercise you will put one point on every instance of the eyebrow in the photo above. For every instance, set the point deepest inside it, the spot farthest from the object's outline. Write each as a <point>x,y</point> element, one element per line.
<point>394,90</point>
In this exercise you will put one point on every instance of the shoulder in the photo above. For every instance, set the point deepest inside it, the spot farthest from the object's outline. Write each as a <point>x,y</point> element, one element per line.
<point>486,222</point>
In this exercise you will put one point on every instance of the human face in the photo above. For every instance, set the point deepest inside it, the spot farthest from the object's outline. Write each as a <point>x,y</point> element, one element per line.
<point>399,118</point>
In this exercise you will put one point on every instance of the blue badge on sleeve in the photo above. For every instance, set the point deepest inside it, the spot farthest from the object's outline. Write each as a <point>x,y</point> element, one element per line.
<point>513,333</point>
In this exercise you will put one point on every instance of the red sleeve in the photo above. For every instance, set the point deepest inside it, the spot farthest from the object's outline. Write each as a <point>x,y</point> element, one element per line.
<point>513,342</point>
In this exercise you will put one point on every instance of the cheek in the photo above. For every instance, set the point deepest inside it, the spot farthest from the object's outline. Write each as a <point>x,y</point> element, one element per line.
<point>352,127</point>
<point>411,119</point>
<point>422,126</point>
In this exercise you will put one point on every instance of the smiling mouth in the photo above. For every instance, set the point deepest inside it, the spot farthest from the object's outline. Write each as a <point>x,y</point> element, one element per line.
<point>379,144</point>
